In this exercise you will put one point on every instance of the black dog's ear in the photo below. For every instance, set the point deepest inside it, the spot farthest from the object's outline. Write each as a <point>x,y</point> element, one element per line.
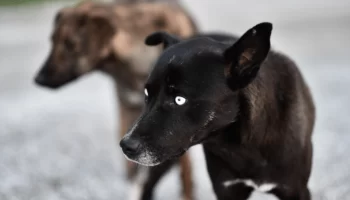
<point>246,55</point>
<point>161,37</point>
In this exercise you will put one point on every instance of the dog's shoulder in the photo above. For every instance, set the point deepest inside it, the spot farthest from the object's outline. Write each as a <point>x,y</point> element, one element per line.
<point>280,62</point>
<point>280,94</point>
<point>280,73</point>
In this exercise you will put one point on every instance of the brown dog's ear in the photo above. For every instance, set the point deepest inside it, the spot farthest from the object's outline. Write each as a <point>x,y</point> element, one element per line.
<point>246,55</point>
<point>81,8</point>
<point>161,37</point>
<point>101,31</point>
<point>61,14</point>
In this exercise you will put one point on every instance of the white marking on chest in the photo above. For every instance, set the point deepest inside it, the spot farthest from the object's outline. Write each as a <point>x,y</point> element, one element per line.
<point>265,187</point>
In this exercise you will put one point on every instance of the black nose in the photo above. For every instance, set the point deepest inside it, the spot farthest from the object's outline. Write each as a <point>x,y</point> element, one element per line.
<point>130,146</point>
<point>40,79</point>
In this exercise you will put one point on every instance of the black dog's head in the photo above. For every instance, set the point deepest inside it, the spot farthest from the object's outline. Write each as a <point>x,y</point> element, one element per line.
<point>192,92</point>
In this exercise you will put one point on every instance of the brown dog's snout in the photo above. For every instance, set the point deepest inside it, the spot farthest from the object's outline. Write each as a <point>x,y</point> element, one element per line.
<point>40,79</point>
<point>43,75</point>
<point>48,77</point>
<point>130,146</point>
<point>44,79</point>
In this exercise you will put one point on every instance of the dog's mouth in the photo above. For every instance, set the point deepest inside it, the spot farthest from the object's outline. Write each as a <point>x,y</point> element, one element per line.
<point>144,158</point>
<point>150,159</point>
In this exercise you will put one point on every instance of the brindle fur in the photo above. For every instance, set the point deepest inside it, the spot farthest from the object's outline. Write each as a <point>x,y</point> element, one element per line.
<point>110,38</point>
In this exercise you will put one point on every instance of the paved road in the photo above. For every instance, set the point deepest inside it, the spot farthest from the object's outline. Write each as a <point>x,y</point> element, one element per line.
<point>61,145</point>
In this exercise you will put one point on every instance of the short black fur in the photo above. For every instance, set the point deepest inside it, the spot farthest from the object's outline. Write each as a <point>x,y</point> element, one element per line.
<point>249,106</point>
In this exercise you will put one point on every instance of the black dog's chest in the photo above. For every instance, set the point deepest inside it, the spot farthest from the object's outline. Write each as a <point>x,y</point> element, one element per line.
<point>238,166</point>
<point>243,162</point>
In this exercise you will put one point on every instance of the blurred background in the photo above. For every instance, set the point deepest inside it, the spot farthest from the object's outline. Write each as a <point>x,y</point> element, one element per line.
<point>57,145</point>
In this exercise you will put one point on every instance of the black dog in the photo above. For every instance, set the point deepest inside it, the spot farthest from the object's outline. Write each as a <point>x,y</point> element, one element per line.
<point>247,105</point>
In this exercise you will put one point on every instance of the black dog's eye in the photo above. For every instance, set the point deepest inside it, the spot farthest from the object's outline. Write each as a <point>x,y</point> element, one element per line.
<point>146,94</point>
<point>179,100</point>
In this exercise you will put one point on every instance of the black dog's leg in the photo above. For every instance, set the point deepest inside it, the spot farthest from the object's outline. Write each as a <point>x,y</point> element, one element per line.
<point>223,180</point>
<point>155,174</point>
<point>306,194</point>
<point>235,192</point>
<point>283,194</point>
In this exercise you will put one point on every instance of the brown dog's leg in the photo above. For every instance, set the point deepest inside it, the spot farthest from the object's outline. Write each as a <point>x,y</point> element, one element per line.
<point>155,174</point>
<point>127,117</point>
<point>186,177</point>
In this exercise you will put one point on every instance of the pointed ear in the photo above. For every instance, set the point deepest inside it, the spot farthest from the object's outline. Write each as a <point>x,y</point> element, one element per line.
<point>161,37</point>
<point>246,56</point>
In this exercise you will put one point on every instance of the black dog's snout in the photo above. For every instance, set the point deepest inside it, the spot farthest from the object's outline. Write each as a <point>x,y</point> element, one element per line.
<point>130,146</point>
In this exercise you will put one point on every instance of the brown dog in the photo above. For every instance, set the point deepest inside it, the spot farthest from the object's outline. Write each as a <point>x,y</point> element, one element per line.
<point>110,38</point>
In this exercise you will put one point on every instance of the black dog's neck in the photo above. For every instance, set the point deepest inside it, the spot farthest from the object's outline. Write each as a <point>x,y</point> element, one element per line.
<point>231,133</point>
<point>227,135</point>
<point>230,145</point>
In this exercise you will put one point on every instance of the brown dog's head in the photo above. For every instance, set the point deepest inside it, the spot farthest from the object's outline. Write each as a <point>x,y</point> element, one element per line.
<point>94,35</point>
<point>80,40</point>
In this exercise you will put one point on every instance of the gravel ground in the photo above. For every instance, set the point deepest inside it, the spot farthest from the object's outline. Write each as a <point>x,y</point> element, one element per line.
<point>62,146</point>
